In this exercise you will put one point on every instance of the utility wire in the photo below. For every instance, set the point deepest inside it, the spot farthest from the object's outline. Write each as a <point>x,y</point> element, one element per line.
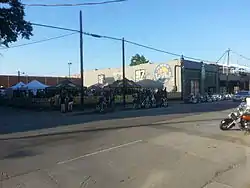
<point>119,39</point>
<point>166,52</point>
<point>222,56</point>
<point>242,56</point>
<point>75,30</point>
<point>77,4</point>
<point>39,41</point>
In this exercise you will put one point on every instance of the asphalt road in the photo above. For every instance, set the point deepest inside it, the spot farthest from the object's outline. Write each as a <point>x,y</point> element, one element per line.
<point>177,147</point>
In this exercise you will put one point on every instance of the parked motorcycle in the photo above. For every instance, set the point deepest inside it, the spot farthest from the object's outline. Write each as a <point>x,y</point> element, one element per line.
<point>193,99</point>
<point>136,102</point>
<point>164,102</point>
<point>146,103</point>
<point>240,117</point>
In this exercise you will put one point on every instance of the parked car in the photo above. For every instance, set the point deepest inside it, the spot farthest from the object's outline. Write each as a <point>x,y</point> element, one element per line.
<point>241,95</point>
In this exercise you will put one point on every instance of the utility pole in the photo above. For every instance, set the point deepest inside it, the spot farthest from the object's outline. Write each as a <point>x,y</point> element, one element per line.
<point>123,73</point>
<point>69,63</point>
<point>81,59</point>
<point>228,56</point>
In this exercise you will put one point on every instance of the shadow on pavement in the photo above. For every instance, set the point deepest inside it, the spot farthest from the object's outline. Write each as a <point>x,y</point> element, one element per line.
<point>13,122</point>
<point>19,154</point>
<point>107,128</point>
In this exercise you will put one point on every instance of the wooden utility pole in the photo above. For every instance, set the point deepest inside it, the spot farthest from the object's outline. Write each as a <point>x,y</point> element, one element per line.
<point>81,59</point>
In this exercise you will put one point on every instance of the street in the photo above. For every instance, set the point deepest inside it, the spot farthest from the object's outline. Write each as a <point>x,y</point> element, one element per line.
<point>177,147</point>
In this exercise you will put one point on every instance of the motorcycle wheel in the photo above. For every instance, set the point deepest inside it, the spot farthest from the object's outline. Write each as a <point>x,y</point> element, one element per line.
<point>225,123</point>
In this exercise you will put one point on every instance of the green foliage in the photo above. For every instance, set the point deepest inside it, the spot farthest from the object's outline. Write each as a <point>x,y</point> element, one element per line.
<point>12,23</point>
<point>138,60</point>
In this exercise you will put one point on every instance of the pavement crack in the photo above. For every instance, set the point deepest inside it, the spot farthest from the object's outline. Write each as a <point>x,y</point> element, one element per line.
<point>220,172</point>
<point>85,182</point>
<point>53,179</point>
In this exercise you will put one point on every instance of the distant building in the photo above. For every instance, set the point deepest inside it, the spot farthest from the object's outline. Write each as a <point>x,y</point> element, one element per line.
<point>10,80</point>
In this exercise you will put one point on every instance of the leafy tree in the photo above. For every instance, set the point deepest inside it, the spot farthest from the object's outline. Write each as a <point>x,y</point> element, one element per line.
<point>138,60</point>
<point>12,23</point>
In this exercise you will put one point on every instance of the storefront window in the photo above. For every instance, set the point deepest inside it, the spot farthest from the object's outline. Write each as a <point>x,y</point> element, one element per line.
<point>195,87</point>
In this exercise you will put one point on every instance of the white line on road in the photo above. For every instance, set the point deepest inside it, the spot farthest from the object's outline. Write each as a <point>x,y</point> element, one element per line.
<point>97,152</point>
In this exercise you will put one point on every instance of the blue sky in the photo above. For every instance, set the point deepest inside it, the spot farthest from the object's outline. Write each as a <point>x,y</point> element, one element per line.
<point>202,29</point>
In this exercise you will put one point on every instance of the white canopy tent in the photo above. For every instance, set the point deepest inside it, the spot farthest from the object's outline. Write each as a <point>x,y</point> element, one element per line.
<point>19,85</point>
<point>35,85</point>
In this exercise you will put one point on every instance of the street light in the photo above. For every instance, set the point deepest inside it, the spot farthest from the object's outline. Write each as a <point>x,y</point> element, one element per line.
<point>19,73</point>
<point>69,63</point>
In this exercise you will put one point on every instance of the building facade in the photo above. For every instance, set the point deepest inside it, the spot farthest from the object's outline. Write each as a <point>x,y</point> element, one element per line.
<point>178,76</point>
<point>162,72</point>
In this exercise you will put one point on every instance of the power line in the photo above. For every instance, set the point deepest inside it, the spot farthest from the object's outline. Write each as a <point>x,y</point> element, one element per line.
<point>39,41</point>
<point>166,52</point>
<point>77,4</point>
<point>120,39</point>
<point>242,56</point>
<point>75,30</point>
<point>221,56</point>
<point>151,48</point>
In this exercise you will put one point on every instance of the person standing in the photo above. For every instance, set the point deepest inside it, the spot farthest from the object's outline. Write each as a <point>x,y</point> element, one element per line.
<point>70,103</point>
<point>62,102</point>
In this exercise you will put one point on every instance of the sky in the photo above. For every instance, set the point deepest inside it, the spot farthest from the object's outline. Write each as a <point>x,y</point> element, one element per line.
<point>200,29</point>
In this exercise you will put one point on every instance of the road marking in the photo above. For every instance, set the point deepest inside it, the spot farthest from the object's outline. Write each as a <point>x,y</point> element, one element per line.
<point>97,152</point>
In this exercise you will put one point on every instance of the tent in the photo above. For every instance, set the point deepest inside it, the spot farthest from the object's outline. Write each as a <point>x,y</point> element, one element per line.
<point>147,83</point>
<point>19,85</point>
<point>97,86</point>
<point>35,85</point>
<point>67,84</point>
<point>128,83</point>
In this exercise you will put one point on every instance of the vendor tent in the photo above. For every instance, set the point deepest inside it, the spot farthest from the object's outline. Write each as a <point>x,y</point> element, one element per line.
<point>97,86</point>
<point>19,85</point>
<point>147,83</point>
<point>35,85</point>
<point>67,84</point>
<point>128,84</point>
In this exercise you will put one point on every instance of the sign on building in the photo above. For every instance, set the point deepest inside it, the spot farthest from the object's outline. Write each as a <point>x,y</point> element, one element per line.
<point>101,79</point>
<point>163,73</point>
<point>140,75</point>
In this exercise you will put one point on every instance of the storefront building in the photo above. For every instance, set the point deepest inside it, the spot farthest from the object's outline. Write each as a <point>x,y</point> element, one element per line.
<point>180,77</point>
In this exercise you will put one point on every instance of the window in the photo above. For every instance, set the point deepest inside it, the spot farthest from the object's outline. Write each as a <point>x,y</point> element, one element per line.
<point>195,87</point>
<point>140,74</point>
<point>101,79</point>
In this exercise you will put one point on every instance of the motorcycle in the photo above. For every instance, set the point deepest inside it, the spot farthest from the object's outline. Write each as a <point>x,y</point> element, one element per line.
<point>240,117</point>
<point>146,103</point>
<point>193,99</point>
<point>164,102</point>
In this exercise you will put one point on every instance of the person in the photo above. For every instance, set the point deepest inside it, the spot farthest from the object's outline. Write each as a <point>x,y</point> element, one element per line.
<point>70,103</point>
<point>62,102</point>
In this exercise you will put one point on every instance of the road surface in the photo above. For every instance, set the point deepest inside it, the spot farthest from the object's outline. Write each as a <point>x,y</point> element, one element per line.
<point>177,147</point>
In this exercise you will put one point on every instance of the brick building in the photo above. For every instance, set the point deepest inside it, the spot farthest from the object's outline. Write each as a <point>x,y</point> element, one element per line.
<point>10,80</point>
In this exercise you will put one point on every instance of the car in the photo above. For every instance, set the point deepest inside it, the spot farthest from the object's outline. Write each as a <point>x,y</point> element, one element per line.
<point>241,95</point>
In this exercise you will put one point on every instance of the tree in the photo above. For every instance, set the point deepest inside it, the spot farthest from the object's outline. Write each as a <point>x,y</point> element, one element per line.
<point>138,60</point>
<point>12,23</point>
